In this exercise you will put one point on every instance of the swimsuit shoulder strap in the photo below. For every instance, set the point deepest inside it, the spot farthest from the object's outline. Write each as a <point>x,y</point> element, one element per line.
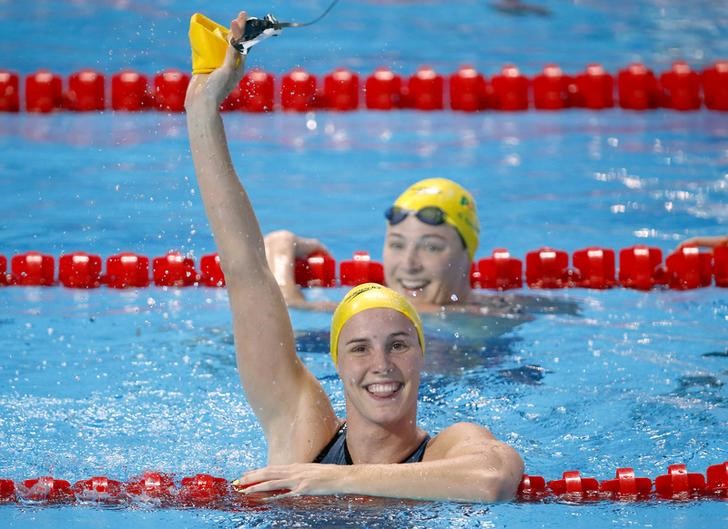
<point>334,453</point>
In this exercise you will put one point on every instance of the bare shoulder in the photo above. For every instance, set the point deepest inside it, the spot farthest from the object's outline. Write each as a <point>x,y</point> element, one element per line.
<point>459,438</point>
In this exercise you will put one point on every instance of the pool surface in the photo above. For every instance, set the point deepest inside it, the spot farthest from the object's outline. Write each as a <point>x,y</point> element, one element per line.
<point>107,382</point>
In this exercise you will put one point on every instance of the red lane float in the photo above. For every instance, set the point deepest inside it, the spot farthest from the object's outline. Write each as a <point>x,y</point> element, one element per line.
<point>360,269</point>
<point>85,91</point>
<point>532,488</point>
<point>154,486</point>
<point>341,90</point>
<point>174,270</point>
<point>500,271</point>
<point>509,89</point>
<point>4,276</point>
<point>211,272</point>
<point>551,89</point>
<point>208,491</point>
<point>43,92</point>
<point>298,91</point>
<point>593,89</point>
<point>99,489</point>
<point>202,490</point>
<point>170,87</point>
<point>594,268</point>
<point>425,90</point>
<point>573,484</point>
<point>717,479</point>
<point>79,270</point>
<point>129,91</point>
<point>258,90</point>
<point>7,491</point>
<point>45,489</point>
<point>715,86</point>
<point>32,269</point>
<point>637,87</point>
<point>468,90</point>
<point>316,270</point>
<point>127,270</point>
<point>720,266</point>
<point>9,91</point>
<point>626,485</point>
<point>547,268</point>
<point>641,268</point>
<point>689,268</point>
<point>678,482</point>
<point>383,90</point>
<point>680,87</point>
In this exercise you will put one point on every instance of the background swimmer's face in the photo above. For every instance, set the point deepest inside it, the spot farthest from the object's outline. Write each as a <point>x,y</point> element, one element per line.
<point>380,359</point>
<point>428,264</point>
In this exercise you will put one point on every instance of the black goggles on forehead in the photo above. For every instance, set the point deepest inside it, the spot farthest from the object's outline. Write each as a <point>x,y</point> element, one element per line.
<point>431,215</point>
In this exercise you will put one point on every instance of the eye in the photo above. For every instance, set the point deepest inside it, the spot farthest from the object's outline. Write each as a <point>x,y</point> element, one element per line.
<point>399,346</point>
<point>395,245</point>
<point>358,348</point>
<point>432,247</point>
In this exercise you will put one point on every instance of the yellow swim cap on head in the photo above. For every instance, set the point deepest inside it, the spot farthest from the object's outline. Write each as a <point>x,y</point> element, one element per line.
<point>209,42</point>
<point>371,296</point>
<point>456,201</point>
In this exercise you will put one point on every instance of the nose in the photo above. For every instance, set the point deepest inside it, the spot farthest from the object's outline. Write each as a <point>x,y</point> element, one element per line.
<point>412,258</point>
<point>381,362</point>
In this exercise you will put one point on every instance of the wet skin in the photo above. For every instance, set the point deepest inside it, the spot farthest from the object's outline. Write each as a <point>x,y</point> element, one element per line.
<point>428,264</point>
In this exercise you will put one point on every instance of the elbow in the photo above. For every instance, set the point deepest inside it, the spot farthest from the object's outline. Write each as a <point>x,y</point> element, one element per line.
<point>499,477</point>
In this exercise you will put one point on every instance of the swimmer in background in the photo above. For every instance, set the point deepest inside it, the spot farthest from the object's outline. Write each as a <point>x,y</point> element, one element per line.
<point>709,241</point>
<point>431,239</point>
<point>376,343</point>
<point>516,7</point>
<point>429,245</point>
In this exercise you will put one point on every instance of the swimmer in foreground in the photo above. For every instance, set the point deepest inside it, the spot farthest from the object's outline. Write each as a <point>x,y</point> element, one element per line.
<point>376,344</point>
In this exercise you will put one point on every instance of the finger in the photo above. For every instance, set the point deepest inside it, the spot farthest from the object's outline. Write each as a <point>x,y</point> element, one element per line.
<point>233,57</point>
<point>275,485</point>
<point>306,246</point>
<point>237,25</point>
<point>258,475</point>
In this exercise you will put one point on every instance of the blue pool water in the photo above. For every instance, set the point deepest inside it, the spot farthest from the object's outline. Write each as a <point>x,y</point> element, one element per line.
<point>114,383</point>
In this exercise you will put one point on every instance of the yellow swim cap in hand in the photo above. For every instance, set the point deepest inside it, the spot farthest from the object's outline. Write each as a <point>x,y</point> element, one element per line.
<point>371,296</point>
<point>453,199</point>
<point>209,42</point>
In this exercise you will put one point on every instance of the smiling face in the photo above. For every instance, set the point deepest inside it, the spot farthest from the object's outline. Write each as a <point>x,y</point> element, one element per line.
<point>380,359</point>
<point>427,264</point>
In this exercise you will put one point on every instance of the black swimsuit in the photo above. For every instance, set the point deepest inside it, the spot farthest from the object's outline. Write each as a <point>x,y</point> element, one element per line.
<point>336,452</point>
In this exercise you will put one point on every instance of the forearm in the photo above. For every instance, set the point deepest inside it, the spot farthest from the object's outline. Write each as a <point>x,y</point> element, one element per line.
<point>464,478</point>
<point>229,211</point>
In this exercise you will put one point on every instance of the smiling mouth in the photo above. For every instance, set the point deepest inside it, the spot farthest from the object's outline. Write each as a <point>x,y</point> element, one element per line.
<point>413,285</point>
<point>384,390</point>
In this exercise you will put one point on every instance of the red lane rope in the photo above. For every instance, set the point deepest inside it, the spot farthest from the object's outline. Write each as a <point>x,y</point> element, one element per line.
<point>634,87</point>
<point>205,490</point>
<point>641,267</point>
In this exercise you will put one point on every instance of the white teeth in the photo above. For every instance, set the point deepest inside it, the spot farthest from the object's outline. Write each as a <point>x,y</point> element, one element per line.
<point>413,285</point>
<point>383,389</point>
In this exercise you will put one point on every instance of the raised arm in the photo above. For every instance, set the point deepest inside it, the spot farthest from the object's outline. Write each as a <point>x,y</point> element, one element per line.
<point>293,410</point>
<point>463,463</point>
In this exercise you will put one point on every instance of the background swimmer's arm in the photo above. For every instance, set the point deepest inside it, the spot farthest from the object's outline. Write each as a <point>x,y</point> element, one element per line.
<point>706,242</point>
<point>293,410</point>
<point>282,247</point>
<point>464,463</point>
